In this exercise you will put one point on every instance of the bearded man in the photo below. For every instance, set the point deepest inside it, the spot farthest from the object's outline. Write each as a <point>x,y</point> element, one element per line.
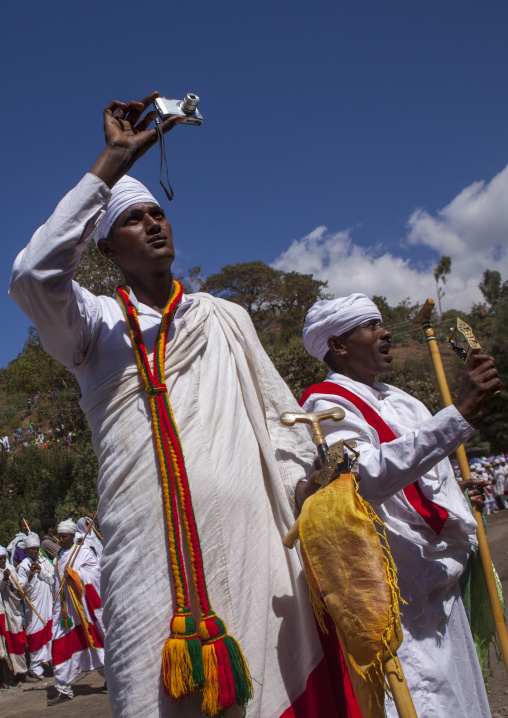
<point>200,429</point>
<point>404,473</point>
<point>35,577</point>
<point>78,639</point>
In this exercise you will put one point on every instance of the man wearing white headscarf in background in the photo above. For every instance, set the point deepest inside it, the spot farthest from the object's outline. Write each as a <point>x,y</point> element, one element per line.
<point>242,464</point>
<point>78,639</point>
<point>12,633</point>
<point>17,545</point>
<point>91,539</point>
<point>35,576</point>
<point>406,476</point>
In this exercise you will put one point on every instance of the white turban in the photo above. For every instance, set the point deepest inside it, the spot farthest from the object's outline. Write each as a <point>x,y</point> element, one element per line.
<point>67,527</point>
<point>126,192</point>
<point>3,551</point>
<point>32,540</point>
<point>333,317</point>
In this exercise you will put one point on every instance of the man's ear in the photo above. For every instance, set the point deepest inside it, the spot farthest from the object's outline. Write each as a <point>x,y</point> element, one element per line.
<point>105,250</point>
<point>336,346</point>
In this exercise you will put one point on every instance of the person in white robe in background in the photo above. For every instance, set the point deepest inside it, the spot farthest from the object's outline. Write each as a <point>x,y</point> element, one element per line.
<point>243,465</point>
<point>18,540</point>
<point>77,623</point>
<point>12,633</point>
<point>92,540</point>
<point>404,473</point>
<point>35,576</point>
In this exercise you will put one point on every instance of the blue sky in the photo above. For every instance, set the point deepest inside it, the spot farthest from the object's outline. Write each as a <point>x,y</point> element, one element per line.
<point>356,140</point>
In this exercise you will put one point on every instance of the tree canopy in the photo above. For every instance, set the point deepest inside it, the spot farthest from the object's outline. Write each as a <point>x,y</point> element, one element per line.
<point>275,300</point>
<point>61,480</point>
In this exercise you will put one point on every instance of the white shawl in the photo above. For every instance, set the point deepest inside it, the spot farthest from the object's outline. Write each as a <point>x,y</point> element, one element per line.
<point>226,398</point>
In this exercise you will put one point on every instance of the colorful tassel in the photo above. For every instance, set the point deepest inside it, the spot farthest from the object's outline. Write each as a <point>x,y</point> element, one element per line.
<point>218,667</point>
<point>66,620</point>
<point>182,662</point>
<point>227,679</point>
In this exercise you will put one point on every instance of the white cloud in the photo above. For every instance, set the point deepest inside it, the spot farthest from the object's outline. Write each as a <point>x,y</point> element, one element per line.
<point>472,229</point>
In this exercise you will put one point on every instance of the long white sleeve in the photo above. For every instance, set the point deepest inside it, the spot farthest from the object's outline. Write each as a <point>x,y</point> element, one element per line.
<point>64,314</point>
<point>387,468</point>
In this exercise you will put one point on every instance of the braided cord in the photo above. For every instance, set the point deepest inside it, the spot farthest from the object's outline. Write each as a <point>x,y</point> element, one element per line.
<point>179,470</point>
<point>153,389</point>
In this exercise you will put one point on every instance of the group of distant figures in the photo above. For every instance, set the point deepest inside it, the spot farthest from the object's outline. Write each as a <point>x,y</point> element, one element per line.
<point>58,439</point>
<point>493,469</point>
<point>50,606</point>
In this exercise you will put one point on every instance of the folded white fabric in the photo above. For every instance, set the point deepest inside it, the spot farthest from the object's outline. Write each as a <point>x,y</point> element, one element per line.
<point>67,527</point>
<point>32,540</point>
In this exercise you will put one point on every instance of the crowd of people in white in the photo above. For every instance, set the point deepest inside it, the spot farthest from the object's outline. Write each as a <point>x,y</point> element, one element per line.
<point>494,471</point>
<point>50,606</point>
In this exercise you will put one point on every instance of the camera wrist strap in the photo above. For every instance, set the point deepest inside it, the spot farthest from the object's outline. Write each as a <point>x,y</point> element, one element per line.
<point>162,148</point>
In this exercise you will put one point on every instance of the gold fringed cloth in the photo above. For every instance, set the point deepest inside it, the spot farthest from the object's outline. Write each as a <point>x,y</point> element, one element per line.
<point>351,575</point>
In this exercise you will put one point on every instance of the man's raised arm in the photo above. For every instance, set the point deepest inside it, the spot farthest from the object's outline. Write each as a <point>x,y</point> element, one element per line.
<point>64,314</point>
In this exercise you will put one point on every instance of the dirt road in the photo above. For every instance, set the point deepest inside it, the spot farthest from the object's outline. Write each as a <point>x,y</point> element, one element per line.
<point>29,701</point>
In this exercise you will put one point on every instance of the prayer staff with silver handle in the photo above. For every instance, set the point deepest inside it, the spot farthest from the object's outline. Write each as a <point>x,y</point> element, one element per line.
<point>289,418</point>
<point>335,462</point>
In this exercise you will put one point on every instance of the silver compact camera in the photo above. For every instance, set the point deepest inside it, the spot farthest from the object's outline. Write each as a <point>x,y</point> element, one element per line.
<point>187,108</point>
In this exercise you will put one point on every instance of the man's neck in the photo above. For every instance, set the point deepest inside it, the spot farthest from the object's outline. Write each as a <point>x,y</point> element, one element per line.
<point>355,376</point>
<point>154,291</point>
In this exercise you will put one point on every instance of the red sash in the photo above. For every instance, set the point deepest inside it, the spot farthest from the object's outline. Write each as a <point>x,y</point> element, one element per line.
<point>38,640</point>
<point>433,515</point>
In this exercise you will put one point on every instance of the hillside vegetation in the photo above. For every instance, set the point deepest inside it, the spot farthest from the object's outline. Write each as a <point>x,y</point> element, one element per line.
<point>51,469</point>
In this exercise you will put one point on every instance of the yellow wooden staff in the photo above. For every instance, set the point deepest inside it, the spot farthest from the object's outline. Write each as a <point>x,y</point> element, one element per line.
<point>423,319</point>
<point>23,595</point>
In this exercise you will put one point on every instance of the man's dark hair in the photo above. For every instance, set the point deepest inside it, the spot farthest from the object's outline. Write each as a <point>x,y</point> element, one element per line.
<point>47,524</point>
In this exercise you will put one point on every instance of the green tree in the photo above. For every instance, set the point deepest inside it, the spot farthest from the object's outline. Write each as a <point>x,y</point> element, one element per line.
<point>34,371</point>
<point>397,319</point>
<point>275,300</point>
<point>298,369</point>
<point>98,275</point>
<point>443,267</point>
<point>32,482</point>
<point>492,288</point>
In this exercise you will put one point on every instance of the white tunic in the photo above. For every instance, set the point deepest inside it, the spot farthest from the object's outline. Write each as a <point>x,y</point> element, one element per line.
<point>72,649</point>
<point>437,654</point>
<point>12,633</point>
<point>227,399</point>
<point>39,591</point>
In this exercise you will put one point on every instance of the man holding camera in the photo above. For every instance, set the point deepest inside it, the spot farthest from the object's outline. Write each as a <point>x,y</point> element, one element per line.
<point>203,423</point>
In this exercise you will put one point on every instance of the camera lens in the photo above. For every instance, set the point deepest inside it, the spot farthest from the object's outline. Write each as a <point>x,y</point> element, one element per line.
<point>189,104</point>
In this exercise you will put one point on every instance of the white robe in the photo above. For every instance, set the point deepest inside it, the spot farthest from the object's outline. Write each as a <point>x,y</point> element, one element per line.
<point>71,650</point>
<point>437,654</point>
<point>39,591</point>
<point>12,633</point>
<point>243,466</point>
